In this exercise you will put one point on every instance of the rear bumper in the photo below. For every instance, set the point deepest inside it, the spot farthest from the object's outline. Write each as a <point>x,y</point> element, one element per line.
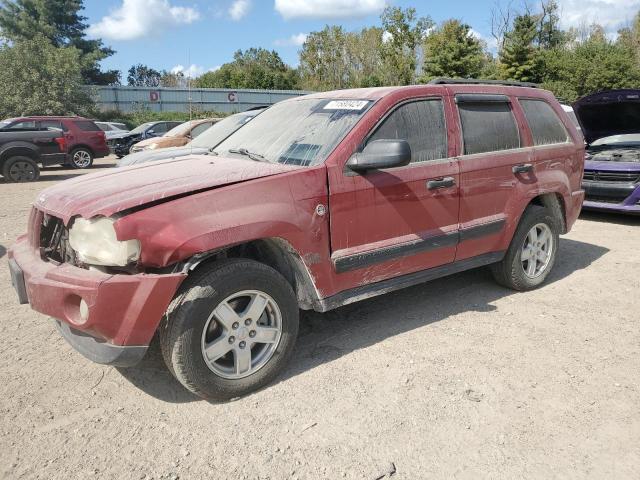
<point>102,152</point>
<point>122,311</point>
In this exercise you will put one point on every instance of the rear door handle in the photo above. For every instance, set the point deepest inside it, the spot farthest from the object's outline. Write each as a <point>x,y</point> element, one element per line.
<point>445,182</point>
<point>524,168</point>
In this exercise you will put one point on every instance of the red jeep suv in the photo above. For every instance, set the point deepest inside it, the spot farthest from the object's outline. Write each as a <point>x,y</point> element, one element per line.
<point>318,202</point>
<point>85,140</point>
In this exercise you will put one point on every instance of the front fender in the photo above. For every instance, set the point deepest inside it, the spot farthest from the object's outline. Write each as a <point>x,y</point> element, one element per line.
<point>279,206</point>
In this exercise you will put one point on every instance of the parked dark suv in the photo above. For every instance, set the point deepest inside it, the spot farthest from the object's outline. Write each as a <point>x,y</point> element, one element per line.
<point>122,144</point>
<point>85,140</point>
<point>318,202</point>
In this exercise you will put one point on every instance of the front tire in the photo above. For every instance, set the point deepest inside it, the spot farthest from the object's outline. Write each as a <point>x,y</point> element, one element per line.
<point>532,252</point>
<point>81,158</point>
<point>20,169</point>
<point>230,330</point>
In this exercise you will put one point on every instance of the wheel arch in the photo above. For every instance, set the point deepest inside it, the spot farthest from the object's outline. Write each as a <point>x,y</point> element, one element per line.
<point>554,202</point>
<point>19,150</point>
<point>275,252</point>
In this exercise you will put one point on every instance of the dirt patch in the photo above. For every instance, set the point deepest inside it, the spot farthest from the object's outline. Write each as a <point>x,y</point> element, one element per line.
<point>458,378</point>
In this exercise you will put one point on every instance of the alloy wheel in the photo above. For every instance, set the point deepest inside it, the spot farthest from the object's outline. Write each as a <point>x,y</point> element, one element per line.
<point>537,250</point>
<point>241,334</point>
<point>81,159</point>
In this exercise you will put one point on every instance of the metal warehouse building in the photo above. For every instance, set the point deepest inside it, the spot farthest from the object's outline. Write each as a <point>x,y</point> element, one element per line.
<point>127,99</point>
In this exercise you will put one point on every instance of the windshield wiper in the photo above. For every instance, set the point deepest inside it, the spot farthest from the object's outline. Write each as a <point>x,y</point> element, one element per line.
<point>253,156</point>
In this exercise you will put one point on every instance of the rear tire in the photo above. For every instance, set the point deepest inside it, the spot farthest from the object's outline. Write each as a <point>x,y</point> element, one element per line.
<point>532,252</point>
<point>212,331</point>
<point>20,169</point>
<point>81,158</point>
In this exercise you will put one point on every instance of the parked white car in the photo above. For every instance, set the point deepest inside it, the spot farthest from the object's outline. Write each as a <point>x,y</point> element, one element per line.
<point>112,129</point>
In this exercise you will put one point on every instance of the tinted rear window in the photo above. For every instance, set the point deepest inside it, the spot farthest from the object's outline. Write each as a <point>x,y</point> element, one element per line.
<point>51,124</point>
<point>488,127</point>
<point>546,127</point>
<point>87,126</point>
<point>420,123</point>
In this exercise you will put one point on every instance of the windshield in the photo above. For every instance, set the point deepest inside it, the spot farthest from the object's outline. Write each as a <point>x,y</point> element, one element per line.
<point>181,130</point>
<point>297,132</point>
<point>141,128</point>
<point>212,137</point>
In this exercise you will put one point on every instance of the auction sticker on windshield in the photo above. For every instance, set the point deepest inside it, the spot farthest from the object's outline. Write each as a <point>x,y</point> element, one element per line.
<point>346,105</point>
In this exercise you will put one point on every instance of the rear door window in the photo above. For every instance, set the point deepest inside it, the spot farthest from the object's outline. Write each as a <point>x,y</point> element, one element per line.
<point>159,128</point>
<point>87,126</point>
<point>198,129</point>
<point>488,125</point>
<point>422,124</point>
<point>51,124</point>
<point>546,127</point>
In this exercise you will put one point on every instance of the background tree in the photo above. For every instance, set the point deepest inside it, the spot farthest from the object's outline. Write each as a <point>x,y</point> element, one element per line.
<point>37,78</point>
<point>588,67</point>
<point>333,59</point>
<point>60,22</point>
<point>519,57</point>
<point>143,76</point>
<point>404,33</point>
<point>173,79</point>
<point>629,38</point>
<point>253,68</point>
<point>452,51</point>
<point>549,33</point>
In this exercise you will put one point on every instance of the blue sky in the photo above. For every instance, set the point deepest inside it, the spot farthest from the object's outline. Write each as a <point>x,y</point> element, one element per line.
<point>203,34</point>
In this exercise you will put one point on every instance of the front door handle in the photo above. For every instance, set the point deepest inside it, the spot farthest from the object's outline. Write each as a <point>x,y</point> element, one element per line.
<point>445,182</point>
<point>524,168</point>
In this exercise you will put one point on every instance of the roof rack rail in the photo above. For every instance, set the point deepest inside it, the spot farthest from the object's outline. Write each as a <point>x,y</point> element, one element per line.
<point>476,81</point>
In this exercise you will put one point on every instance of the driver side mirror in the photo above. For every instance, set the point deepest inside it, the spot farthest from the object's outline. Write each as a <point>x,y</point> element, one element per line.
<point>381,154</point>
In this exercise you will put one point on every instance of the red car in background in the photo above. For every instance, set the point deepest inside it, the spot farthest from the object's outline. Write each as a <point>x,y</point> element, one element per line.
<point>85,140</point>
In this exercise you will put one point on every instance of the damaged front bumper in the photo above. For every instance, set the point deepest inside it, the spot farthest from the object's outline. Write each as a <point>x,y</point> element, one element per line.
<point>108,318</point>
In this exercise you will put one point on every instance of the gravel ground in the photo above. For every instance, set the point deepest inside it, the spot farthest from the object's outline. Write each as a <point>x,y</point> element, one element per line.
<point>458,378</point>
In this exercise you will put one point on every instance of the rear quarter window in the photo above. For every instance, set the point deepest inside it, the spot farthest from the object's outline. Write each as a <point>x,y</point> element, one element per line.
<point>488,127</point>
<point>87,126</point>
<point>546,128</point>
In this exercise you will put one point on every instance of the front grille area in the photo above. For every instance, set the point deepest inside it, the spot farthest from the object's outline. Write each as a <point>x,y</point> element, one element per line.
<point>621,177</point>
<point>54,241</point>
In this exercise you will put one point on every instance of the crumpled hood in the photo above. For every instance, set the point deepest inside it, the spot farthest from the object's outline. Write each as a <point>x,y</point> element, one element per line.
<point>161,154</point>
<point>115,190</point>
<point>608,113</point>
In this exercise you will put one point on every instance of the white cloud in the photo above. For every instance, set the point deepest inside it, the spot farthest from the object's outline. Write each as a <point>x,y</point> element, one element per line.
<point>192,71</point>
<point>611,14</point>
<point>292,41</point>
<point>328,8</point>
<point>139,18</point>
<point>239,9</point>
<point>386,36</point>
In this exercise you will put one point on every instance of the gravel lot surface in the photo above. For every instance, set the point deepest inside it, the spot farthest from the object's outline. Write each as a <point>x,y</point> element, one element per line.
<point>458,378</point>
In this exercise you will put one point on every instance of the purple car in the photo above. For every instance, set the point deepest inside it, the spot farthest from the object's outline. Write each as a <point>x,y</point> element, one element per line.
<point>611,126</point>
